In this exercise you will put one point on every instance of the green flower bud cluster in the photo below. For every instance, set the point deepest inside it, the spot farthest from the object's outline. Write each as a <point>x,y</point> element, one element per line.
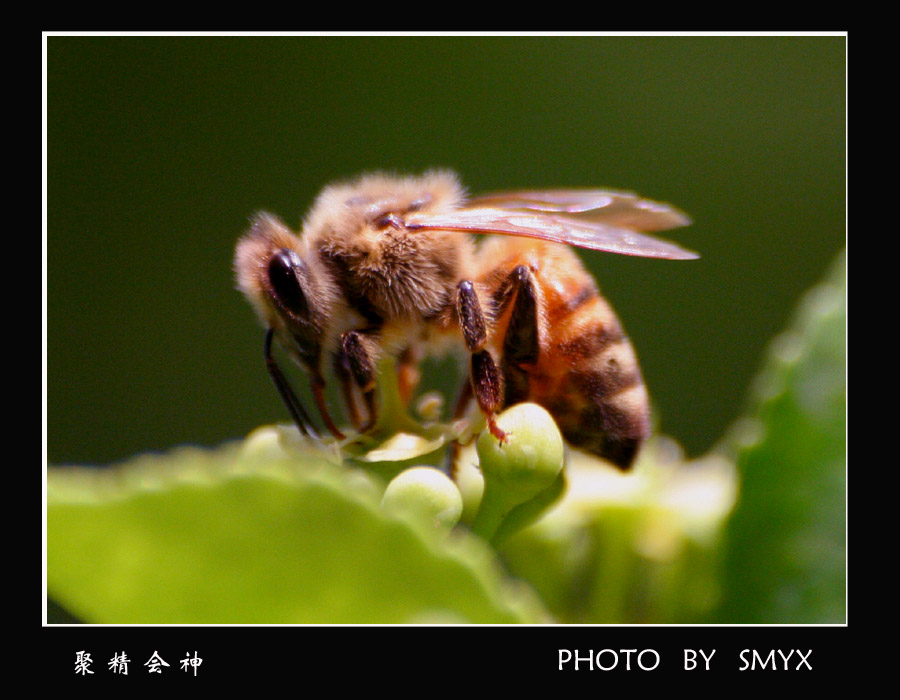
<point>522,474</point>
<point>522,478</point>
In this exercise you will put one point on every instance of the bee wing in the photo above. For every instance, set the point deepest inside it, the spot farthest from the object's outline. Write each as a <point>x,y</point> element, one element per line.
<point>560,228</point>
<point>613,207</point>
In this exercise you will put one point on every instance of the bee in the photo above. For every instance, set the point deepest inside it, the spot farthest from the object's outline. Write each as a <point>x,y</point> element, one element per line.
<point>387,266</point>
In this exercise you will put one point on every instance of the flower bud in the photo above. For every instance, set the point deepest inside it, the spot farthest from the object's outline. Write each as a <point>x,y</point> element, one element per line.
<point>522,466</point>
<point>425,494</point>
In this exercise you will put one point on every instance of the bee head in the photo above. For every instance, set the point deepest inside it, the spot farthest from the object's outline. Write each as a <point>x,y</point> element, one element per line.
<point>284,286</point>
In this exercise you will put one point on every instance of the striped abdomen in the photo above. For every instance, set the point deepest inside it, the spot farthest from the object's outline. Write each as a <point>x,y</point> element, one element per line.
<point>586,373</point>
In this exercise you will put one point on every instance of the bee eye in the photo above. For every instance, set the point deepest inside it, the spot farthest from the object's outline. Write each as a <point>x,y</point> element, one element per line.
<point>285,270</point>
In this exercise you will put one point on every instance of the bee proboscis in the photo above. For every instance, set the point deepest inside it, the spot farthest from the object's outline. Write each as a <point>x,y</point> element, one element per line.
<point>387,265</point>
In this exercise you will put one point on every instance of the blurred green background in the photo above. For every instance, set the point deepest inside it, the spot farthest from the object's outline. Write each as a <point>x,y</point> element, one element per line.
<point>160,148</point>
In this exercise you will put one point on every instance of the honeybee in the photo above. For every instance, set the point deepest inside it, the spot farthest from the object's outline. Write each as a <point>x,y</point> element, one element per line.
<point>387,266</point>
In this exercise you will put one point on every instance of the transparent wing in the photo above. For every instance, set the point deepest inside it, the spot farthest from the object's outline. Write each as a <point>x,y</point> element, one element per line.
<point>613,207</point>
<point>545,224</point>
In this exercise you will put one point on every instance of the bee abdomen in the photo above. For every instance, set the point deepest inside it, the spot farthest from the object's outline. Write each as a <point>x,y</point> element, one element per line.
<point>601,403</point>
<point>608,373</point>
<point>611,426</point>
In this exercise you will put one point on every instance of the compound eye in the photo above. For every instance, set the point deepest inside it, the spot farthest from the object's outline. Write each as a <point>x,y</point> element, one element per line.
<point>286,269</point>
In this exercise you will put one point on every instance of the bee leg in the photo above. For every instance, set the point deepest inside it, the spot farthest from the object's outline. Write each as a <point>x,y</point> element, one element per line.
<point>487,382</point>
<point>318,389</point>
<point>408,374</point>
<point>351,397</point>
<point>295,408</point>
<point>471,316</point>
<point>357,353</point>
<point>521,345</point>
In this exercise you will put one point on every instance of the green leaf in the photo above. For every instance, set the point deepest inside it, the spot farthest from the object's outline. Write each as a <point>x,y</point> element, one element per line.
<point>256,535</point>
<point>787,539</point>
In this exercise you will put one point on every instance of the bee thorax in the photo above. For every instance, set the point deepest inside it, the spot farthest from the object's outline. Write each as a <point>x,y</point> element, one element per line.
<point>395,274</point>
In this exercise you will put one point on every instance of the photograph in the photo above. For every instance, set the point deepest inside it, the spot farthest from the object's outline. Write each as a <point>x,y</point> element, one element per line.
<point>419,330</point>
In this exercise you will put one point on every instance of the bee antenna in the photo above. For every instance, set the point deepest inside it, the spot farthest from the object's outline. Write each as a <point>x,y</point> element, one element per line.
<point>298,413</point>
